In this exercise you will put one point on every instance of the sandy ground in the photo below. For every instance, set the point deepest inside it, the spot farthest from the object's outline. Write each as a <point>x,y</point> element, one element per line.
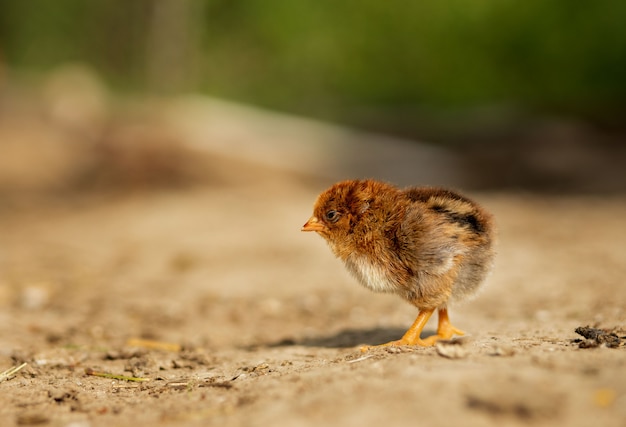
<point>270,323</point>
<point>250,322</point>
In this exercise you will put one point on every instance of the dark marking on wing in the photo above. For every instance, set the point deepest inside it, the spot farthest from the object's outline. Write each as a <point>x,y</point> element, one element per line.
<point>427,195</point>
<point>463,219</point>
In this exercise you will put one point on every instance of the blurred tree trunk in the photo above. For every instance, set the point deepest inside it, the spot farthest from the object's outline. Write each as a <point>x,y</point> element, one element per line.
<point>172,44</point>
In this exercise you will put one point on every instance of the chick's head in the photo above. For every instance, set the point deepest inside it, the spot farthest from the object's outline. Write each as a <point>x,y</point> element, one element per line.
<point>344,207</point>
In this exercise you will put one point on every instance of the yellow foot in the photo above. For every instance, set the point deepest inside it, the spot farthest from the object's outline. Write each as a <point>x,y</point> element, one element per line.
<point>445,331</point>
<point>412,336</point>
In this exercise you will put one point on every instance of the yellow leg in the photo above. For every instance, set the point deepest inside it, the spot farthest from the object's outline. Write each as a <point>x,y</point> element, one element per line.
<point>412,336</point>
<point>445,330</point>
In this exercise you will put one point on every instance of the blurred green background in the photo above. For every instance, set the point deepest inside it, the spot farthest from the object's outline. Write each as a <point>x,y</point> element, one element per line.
<point>342,60</point>
<point>466,73</point>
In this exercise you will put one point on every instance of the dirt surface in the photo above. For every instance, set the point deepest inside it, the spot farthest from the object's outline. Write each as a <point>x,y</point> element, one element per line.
<point>234,317</point>
<point>270,323</point>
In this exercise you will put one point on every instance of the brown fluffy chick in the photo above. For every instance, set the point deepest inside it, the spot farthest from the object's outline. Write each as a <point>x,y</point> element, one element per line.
<point>428,245</point>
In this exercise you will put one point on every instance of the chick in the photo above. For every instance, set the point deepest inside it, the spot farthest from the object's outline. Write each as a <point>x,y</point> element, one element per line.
<point>431,246</point>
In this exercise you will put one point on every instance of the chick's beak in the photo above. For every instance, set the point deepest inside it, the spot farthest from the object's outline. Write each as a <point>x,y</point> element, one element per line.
<point>313,224</point>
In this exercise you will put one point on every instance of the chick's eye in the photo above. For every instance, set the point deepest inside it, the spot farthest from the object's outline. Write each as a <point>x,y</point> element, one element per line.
<point>332,215</point>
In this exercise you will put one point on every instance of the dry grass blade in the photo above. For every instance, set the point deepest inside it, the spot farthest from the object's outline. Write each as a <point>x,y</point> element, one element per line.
<point>90,371</point>
<point>10,372</point>
<point>360,359</point>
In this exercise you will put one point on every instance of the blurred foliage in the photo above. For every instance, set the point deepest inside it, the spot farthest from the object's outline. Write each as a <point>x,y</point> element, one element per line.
<point>355,60</point>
